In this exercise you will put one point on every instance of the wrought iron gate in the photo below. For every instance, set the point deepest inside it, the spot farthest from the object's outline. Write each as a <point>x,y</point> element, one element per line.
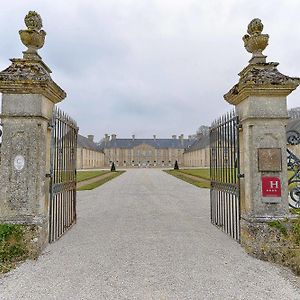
<point>224,172</point>
<point>293,165</point>
<point>62,206</point>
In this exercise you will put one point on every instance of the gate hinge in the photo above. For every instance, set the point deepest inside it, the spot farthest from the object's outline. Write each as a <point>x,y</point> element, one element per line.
<point>50,125</point>
<point>239,126</point>
<point>241,175</point>
<point>49,175</point>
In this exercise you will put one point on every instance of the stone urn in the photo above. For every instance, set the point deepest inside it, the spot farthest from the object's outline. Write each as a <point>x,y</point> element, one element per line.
<point>255,42</point>
<point>33,37</point>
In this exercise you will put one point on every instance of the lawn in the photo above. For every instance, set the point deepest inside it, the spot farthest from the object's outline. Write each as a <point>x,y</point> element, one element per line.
<point>201,173</point>
<point>181,175</point>
<point>101,181</point>
<point>85,175</point>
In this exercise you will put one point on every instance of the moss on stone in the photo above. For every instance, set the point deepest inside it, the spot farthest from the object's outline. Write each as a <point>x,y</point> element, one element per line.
<point>276,241</point>
<point>279,225</point>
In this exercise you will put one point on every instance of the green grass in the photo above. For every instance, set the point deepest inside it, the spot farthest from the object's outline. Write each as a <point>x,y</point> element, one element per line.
<point>12,246</point>
<point>201,173</point>
<point>99,182</point>
<point>288,236</point>
<point>85,175</point>
<point>180,175</point>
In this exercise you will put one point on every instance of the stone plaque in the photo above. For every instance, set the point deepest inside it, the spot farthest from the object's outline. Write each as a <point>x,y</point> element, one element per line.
<point>19,162</point>
<point>269,160</point>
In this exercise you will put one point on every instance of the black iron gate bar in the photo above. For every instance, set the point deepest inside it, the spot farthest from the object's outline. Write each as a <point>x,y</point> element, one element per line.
<point>224,170</point>
<point>62,206</point>
<point>293,165</point>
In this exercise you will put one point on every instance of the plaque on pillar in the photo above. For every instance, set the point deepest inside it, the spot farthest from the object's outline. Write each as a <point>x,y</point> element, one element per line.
<point>271,189</point>
<point>269,160</point>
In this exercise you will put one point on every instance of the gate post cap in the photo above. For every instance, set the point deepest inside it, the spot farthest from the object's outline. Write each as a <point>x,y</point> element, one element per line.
<point>259,78</point>
<point>30,75</point>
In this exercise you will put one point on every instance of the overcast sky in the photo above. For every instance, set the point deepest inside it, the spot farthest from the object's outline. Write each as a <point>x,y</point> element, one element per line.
<point>149,67</point>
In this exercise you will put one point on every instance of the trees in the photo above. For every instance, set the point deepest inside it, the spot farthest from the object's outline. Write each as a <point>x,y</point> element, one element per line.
<point>202,130</point>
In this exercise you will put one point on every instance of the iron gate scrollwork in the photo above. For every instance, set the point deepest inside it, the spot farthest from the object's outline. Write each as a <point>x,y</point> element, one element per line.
<point>225,174</point>
<point>293,165</point>
<point>62,206</point>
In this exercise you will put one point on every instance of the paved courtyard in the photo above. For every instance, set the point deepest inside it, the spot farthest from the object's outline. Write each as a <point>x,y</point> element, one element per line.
<point>146,235</point>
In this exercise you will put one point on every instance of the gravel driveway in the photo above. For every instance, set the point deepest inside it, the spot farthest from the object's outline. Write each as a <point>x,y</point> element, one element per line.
<point>146,235</point>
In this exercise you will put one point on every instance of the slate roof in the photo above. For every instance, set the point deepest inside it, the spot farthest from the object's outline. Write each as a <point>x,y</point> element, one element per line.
<point>293,124</point>
<point>84,142</point>
<point>155,143</point>
<point>198,144</point>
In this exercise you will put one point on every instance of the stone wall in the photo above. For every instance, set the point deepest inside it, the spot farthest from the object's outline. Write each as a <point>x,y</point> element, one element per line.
<point>89,159</point>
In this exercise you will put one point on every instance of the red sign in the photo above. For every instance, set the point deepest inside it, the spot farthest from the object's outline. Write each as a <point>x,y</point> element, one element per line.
<point>271,186</point>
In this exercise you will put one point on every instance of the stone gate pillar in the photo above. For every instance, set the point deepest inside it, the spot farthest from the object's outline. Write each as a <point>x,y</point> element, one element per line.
<point>260,100</point>
<point>28,97</point>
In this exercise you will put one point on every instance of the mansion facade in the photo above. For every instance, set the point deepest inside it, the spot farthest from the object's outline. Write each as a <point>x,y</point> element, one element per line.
<point>133,152</point>
<point>198,154</point>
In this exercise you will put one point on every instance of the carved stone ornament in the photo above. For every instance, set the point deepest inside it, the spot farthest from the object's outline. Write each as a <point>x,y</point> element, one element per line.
<point>30,75</point>
<point>255,42</point>
<point>259,78</point>
<point>33,37</point>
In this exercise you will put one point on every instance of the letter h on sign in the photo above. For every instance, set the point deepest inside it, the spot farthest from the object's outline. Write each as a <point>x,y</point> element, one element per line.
<point>271,186</point>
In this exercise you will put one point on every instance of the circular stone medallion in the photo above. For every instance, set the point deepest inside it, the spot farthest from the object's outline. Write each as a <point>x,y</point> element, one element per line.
<point>19,162</point>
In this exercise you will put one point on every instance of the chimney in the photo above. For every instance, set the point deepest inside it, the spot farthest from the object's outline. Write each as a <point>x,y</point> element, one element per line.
<point>113,136</point>
<point>133,137</point>
<point>181,137</point>
<point>174,137</point>
<point>190,137</point>
<point>106,137</point>
<point>91,137</point>
<point>154,136</point>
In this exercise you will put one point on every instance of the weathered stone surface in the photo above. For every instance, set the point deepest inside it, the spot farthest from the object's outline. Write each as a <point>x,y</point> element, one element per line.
<point>26,76</point>
<point>260,100</point>
<point>278,243</point>
<point>33,37</point>
<point>255,42</point>
<point>261,79</point>
<point>29,95</point>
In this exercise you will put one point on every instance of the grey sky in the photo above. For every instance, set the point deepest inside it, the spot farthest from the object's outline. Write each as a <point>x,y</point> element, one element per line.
<point>151,67</point>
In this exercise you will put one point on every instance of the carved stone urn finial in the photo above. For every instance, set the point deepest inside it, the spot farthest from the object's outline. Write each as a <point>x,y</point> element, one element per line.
<point>33,37</point>
<point>255,42</point>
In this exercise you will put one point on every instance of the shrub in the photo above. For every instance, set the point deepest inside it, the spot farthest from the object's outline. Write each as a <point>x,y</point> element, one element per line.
<point>113,168</point>
<point>176,166</point>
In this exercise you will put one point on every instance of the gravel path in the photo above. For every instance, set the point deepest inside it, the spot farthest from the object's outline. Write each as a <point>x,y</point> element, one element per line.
<point>146,235</point>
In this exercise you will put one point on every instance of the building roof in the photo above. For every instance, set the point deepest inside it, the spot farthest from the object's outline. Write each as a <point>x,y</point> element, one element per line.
<point>199,143</point>
<point>84,142</point>
<point>293,124</point>
<point>155,143</point>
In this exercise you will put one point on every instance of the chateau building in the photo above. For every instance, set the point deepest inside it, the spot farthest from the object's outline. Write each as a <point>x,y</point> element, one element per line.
<point>89,154</point>
<point>293,133</point>
<point>198,154</point>
<point>133,152</point>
